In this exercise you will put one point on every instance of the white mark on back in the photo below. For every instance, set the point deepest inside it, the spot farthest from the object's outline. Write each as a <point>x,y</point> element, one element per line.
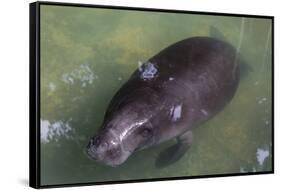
<point>176,112</point>
<point>171,78</point>
<point>148,71</point>
<point>204,112</point>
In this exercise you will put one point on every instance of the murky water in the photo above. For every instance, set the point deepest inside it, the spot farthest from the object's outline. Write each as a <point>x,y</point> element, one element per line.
<point>87,54</point>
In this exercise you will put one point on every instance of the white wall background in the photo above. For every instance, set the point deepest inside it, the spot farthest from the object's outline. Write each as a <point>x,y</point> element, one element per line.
<point>14,27</point>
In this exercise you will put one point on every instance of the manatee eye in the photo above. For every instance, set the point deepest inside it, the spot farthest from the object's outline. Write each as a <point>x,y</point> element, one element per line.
<point>146,132</point>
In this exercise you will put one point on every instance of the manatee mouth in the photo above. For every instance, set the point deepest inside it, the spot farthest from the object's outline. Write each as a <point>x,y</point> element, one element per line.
<point>110,154</point>
<point>111,158</point>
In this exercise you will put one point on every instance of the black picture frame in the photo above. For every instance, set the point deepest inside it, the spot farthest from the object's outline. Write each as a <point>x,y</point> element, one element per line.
<point>34,93</point>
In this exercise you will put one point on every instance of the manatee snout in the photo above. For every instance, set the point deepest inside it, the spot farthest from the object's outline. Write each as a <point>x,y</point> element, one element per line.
<point>106,148</point>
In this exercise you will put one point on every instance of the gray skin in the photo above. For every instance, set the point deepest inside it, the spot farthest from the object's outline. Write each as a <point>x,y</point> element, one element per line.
<point>178,89</point>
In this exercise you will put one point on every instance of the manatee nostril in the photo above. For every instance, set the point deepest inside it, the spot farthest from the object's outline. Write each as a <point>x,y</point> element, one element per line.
<point>96,141</point>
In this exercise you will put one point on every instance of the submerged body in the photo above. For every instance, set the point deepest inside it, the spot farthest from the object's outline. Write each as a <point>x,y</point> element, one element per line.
<point>176,90</point>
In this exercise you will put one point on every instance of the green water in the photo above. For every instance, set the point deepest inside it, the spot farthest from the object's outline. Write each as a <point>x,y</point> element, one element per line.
<point>87,54</point>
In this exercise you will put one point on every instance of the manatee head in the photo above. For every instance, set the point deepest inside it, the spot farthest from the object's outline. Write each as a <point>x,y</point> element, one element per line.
<point>123,132</point>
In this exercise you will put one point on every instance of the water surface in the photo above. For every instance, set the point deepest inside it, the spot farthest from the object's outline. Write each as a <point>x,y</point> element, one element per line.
<point>87,54</point>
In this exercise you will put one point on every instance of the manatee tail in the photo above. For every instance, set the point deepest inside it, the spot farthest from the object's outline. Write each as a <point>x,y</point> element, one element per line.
<point>245,69</point>
<point>215,33</point>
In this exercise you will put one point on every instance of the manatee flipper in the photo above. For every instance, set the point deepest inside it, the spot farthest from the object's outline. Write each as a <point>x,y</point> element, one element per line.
<point>173,153</point>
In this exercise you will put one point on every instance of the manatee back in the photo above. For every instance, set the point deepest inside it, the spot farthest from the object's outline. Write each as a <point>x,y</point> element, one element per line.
<point>200,72</point>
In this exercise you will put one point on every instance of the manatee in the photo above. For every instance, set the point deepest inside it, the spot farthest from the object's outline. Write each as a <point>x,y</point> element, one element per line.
<point>178,89</point>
